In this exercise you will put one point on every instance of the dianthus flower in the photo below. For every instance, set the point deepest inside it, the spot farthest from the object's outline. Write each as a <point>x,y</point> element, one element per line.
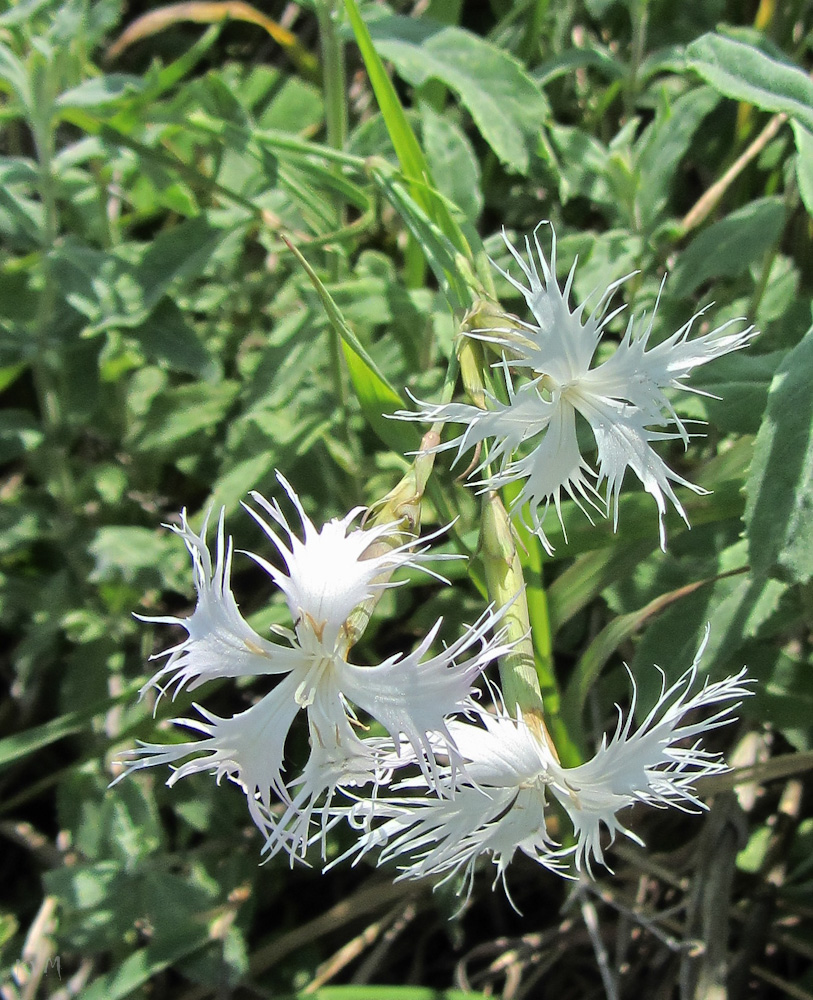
<point>498,801</point>
<point>622,399</point>
<point>328,574</point>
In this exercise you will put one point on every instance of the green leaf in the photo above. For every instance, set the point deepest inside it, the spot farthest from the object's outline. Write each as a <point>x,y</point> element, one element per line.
<point>407,148</point>
<point>403,138</point>
<point>121,288</point>
<point>178,414</point>
<point>435,246</point>
<point>167,337</point>
<point>740,382</point>
<point>22,12</point>
<point>663,147</point>
<point>19,745</point>
<point>506,104</point>
<point>296,106</point>
<point>176,253</point>
<point>216,98</point>
<point>21,217</point>
<point>744,73</point>
<point>453,162</point>
<point>96,284</point>
<point>783,694</point>
<point>589,574</point>
<point>638,520</point>
<point>9,374</point>
<point>598,8</point>
<point>18,170</point>
<point>375,394</point>
<point>13,72</point>
<point>729,247</point>
<point>100,902</point>
<point>804,163</point>
<point>385,993</point>
<point>608,640</point>
<point>779,488</point>
<point>378,401</point>
<point>233,486</point>
<point>582,169</point>
<point>123,826</point>
<point>161,78</point>
<point>139,556</point>
<point>735,605</point>
<point>100,91</point>
<point>567,62</point>
<point>19,433</point>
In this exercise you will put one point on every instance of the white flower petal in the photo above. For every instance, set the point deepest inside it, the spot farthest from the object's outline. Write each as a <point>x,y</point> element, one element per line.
<point>554,465</point>
<point>648,764</point>
<point>624,398</point>
<point>624,442</point>
<point>328,574</point>
<point>496,807</point>
<point>334,569</point>
<point>448,835</point>
<point>524,416</point>
<point>338,759</point>
<point>640,376</point>
<point>562,343</point>
<point>411,696</point>
<point>501,752</point>
<point>496,804</point>
<point>220,642</point>
<point>248,748</point>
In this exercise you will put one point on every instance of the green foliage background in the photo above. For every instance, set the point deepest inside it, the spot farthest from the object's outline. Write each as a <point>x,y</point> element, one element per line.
<point>161,347</point>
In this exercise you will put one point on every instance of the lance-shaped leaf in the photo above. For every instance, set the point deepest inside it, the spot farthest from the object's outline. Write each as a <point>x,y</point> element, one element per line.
<point>374,392</point>
<point>407,149</point>
<point>779,508</point>
<point>505,103</point>
<point>744,73</point>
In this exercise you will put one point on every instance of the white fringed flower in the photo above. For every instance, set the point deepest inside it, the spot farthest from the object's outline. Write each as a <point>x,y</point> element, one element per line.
<point>622,399</point>
<point>495,806</point>
<point>498,801</point>
<point>329,574</point>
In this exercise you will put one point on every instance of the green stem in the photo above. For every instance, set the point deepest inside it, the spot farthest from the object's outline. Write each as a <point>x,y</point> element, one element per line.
<point>435,491</point>
<point>44,366</point>
<point>283,141</point>
<point>339,376</point>
<point>529,46</point>
<point>762,284</point>
<point>402,507</point>
<point>334,86</point>
<point>791,197</point>
<point>537,601</point>
<point>640,18</point>
<point>527,672</point>
<point>56,469</point>
<point>527,678</point>
<point>506,588</point>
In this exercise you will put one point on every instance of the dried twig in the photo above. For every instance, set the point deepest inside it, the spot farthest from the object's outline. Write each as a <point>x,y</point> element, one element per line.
<point>707,202</point>
<point>369,899</point>
<point>350,951</point>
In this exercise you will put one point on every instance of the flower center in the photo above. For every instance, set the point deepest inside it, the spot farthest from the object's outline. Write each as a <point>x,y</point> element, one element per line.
<point>305,693</point>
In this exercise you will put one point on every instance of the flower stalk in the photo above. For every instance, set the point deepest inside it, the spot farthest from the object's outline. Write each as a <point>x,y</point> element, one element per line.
<point>528,681</point>
<point>402,507</point>
<point>506,586</point>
